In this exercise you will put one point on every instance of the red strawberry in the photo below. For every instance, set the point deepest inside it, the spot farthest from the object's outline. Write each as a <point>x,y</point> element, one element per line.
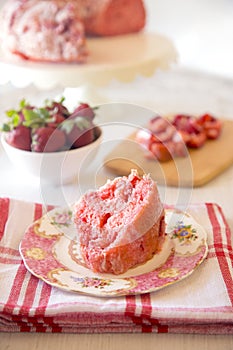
<point>79,132</point>
<point>57,119</point>
<point>211,125</point>
<point>161,151</point>
<point>78,138</point>
<point>20,137</point>
<point>196,139</point>
<point>181,121</point>
<point>84,139</point>
<point>83,110</point>
<point>48,139</point>
<point>58,107</point>
<point>191,132</point>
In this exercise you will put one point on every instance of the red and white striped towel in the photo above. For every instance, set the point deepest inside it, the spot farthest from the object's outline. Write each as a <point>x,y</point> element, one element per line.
<point>201,303</point>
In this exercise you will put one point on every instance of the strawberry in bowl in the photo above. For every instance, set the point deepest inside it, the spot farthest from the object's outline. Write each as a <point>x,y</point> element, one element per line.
<point>50,142</point>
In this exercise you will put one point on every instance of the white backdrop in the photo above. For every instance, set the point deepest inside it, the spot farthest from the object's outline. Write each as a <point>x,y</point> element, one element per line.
<point>202,31</point>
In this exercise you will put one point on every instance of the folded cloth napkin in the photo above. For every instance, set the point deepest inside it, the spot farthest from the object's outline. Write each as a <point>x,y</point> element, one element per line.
<point>200,303</point>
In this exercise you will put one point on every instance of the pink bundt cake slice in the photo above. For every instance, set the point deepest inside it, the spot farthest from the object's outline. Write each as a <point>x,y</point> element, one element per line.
<point>121,224</point>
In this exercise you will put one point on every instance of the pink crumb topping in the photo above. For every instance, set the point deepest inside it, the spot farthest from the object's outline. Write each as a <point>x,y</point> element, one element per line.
<point>43,30</point>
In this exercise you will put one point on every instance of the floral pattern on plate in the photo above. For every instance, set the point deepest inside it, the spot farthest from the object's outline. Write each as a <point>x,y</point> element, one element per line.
<point>51,252</point>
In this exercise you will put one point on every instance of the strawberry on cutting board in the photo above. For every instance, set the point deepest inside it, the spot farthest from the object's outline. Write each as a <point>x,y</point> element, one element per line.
<point>168,138</point>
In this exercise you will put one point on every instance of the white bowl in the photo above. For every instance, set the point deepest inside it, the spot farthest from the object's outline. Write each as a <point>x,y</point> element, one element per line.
<point>52,167</point>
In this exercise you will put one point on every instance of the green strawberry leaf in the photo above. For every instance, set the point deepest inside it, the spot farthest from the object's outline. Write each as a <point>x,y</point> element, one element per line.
<point>23,103</point>
<point>5,127</point>
<point>29,114</point>
<point>43,113</point>
<point>14,120</point>
<point>37,117</point>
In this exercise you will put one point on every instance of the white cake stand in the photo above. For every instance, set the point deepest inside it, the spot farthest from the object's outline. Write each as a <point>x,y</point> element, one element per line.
<point>121,57</point>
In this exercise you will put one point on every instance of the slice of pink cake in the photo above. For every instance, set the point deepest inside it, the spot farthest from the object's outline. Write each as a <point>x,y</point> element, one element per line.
<point>121,224</point>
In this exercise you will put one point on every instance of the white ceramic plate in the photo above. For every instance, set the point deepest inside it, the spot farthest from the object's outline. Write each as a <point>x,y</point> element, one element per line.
<point>51,252</point>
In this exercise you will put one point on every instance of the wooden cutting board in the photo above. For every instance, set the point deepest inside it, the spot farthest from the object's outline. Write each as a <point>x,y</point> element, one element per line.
<point>200,167</point>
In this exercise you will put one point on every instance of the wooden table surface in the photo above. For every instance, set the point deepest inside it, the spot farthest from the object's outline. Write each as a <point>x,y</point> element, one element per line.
<point>113,342</point>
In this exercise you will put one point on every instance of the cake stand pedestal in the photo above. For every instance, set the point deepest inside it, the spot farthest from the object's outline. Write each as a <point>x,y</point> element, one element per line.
<point>122,58</point>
